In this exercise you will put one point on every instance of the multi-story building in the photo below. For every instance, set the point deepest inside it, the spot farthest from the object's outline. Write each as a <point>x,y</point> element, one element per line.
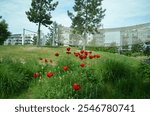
<point>122,36</point>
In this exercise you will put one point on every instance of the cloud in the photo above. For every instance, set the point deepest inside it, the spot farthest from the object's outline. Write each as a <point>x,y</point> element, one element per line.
<point>118,13</point>
<point>125,12</point>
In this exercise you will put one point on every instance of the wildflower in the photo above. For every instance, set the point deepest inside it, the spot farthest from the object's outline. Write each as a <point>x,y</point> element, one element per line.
<point>76,86</point>
<point>35,75</point>
<point>82,51</point>
<point>91,57</point>
<point>49,74</point>
<point>65,67</point>
<point>98,56</point>
<point>68,49</point>
<point>81,57</point>
<point>40,58</point>
<point>68,52</point>
<point>76,54</point>
<point>56,54</point>
<point>46,60</point>
<point>90,52</point>
<point>82,65</point>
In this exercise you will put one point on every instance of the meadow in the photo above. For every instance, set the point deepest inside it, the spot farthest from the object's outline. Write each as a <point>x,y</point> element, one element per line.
<point>28,72</point>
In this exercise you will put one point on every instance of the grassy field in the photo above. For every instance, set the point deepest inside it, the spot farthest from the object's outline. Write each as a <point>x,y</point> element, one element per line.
<point>31,72</point>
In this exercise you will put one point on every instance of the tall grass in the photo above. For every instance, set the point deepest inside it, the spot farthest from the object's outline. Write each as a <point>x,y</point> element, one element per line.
<point>111,76</point>
<point>15,76</point>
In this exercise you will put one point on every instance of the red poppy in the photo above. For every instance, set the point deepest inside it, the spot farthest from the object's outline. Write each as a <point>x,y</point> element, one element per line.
<point>82,64</point>
<point>49,74</point>
<point>81,57</point>
<point>35,75</point>
<point>98,56</point>
<point>76,54</point>
<point>86,53</point>
<point>82,51</point>
<point>40,58</point>
<point>65,67</point>
<point>56,54</point>
<point>90,52</point>
<point>68,49</point>
<point>46,60</point>
<point>90,57</point>
<point>76,86</point>
<point>68,52</point>
<point>84,57</point>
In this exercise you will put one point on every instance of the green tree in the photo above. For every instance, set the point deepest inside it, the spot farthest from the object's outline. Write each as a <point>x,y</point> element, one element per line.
<point>40,13</point>
<point>87,17</point>
<point>55,34</point>
<point>4,33</point>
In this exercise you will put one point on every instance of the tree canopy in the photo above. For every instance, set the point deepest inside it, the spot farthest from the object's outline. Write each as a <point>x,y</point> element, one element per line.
<point>4,33</point>
<point>40,13</point>
<point>87,17</point>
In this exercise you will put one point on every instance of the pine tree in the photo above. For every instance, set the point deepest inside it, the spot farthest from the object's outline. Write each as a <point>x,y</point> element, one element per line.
<point>87,17</point>
<point>4,33</point>
<point>40,13</point>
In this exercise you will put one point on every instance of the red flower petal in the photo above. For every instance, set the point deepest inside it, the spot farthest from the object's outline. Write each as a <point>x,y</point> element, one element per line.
<point>82,65</point>
<point>56,54</point>
<point>76,86</point>
<point>49,74</point>
<point>65,67</point>
<point>68,49</point>
<point>35,75</point>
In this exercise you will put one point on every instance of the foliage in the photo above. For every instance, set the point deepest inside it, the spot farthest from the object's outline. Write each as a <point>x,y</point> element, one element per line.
<point>4,33</point>
<point>147,51</point>
<point>54,37</point>
<point>104,49</point>
<point>137,47</point>
<point>40,13</point>
<point>109,76</point>
<point>87,17</point>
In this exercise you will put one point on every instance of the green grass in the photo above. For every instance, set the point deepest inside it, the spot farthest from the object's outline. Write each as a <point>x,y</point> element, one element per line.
<point>111,76</point>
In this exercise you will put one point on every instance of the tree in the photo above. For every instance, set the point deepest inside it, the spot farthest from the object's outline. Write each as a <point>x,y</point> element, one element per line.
<point>87,17</point>
<point>55,34</point>
<point>40,13</point>
<point>4,33</point>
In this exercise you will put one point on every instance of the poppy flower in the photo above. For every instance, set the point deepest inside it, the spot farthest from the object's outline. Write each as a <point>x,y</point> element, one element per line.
<point>76,86</point>
<point>90,52</point>
<point>98,56</point>
<point>76,54</point>
<point>35,75</point>
<point>46,60</point>
<point>91,57</point>
<point>82,65</point>
<point>82,51</point>
<point>68,49</point>
<point>56,54</point>
<point>49,74</point>
<point>65,67</point>
<point>81,57</point>
<point>86,53</point>
<point>40,58</point>
<point>68,52</point>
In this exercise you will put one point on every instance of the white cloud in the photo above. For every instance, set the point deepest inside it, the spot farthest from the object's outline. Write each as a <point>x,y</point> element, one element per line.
<point>118,13</point>
<point>123,12</point>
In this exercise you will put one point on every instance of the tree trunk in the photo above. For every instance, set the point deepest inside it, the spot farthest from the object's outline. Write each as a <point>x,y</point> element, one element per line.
<point>39,35</point>
<point>84,40</point>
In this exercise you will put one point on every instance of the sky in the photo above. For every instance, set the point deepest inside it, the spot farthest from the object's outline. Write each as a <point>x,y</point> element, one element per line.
<point>118,13</point>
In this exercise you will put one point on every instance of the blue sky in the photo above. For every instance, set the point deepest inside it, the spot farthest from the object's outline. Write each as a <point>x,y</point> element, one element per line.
<point>118,13</point>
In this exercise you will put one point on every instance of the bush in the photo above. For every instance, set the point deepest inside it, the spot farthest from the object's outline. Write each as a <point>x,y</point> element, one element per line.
<point>15,76</point>
<point>104,49</point>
